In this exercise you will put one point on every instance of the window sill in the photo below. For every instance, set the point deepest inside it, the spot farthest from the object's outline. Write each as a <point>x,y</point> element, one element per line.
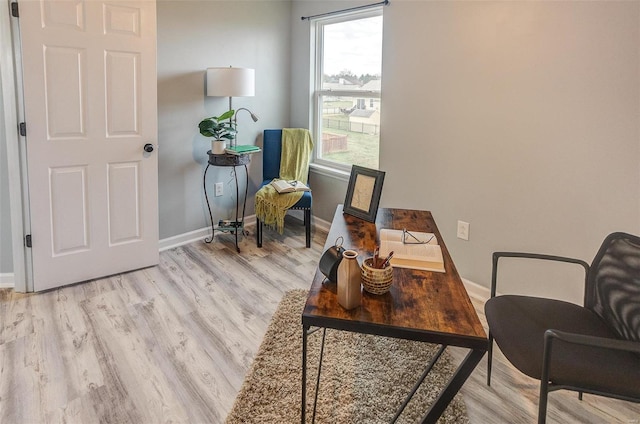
<point>326,171</point>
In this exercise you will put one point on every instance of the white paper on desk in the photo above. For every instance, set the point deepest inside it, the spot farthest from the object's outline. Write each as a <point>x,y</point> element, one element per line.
<point>425,256</point>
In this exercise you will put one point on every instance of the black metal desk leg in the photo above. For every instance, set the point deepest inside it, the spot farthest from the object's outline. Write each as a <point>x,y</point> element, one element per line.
<point>463,372</point>
<point>426,372</point>
<point>305,330</point>
<point>204,184</point>
<point>305,333</point>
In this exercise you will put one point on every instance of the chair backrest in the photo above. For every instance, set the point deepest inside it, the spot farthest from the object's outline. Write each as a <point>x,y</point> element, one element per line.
<point>613,285</point>
<point>271,151</point>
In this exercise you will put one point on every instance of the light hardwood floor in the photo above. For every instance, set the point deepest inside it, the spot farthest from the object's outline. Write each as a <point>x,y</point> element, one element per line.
<point>172,343</point>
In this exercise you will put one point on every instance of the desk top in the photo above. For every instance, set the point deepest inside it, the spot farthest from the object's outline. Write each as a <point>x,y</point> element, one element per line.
<point>421,305</point>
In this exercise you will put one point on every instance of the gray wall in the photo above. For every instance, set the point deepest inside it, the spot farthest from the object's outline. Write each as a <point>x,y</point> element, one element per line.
<point>524,119</point>
<point>192,36</point>
<point>521,118</point>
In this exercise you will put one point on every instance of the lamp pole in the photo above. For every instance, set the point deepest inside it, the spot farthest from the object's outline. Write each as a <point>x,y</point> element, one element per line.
<point>235,120</point>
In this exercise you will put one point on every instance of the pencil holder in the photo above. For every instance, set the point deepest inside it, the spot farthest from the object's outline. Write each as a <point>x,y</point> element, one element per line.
<point>376,280</point>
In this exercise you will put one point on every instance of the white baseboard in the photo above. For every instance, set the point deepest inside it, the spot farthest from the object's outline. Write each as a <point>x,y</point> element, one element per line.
<point>182,239</point>
<point>195,235</point>
<point>202,233</point>
<point>476,290</point>
<point>7,281</point>
<point>321,224</point>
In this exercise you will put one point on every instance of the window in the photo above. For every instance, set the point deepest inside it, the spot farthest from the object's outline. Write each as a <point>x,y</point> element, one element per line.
<point>346,90</point>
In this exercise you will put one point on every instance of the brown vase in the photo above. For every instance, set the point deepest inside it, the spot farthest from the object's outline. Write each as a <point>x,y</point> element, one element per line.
<point>349,293</point>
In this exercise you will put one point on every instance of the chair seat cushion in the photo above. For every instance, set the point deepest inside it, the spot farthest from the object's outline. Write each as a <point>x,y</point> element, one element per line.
<point>518,324</point>
<point>304,203</point>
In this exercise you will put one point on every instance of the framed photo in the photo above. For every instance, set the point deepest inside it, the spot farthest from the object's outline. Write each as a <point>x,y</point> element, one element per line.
<point>363,193</point>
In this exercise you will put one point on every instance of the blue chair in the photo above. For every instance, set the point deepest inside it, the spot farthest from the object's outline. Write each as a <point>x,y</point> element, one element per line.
<point>271,150</point>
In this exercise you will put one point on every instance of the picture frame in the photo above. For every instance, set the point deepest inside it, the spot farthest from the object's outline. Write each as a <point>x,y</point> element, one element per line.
<point>363,193</point>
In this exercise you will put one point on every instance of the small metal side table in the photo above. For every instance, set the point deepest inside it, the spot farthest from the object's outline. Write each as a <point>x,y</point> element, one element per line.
<point>234,227</point>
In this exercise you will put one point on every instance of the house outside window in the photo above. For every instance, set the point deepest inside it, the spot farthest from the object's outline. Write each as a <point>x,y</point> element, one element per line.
<point>346,90</point>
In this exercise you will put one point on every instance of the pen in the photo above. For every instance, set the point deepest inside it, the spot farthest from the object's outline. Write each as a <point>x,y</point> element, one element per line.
<point>388,260</point>
<point>376,251</point>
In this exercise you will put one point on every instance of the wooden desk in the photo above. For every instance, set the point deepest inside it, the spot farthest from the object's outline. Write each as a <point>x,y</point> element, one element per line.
<point>421,305</point>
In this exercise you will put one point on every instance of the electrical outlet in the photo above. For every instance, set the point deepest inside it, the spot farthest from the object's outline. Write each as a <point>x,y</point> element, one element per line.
<point>219,189</point>
<point>463,230</point>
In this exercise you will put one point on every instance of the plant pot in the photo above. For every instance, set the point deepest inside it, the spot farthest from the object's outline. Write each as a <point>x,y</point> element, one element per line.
<point>218,146</point>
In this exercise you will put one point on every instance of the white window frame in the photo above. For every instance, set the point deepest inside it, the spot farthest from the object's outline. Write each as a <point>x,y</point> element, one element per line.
<point>315,118</point>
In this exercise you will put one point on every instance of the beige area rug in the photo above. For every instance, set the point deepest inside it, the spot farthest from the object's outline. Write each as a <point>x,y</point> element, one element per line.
<point>364,378</point>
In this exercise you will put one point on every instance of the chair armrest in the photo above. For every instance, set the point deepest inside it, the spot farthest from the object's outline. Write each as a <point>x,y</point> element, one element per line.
<point>498,255</point>
<point>581,339</point>
<point>594,341</point>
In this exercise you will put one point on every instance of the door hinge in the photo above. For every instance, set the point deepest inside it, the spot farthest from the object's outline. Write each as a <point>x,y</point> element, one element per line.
<point>27,240</point>
<point>22,127</point>
<point>14,9</point>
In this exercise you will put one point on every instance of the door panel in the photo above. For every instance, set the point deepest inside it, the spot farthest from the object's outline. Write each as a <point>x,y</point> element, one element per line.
<point>69,218</point>
<point>123,93</point>
<point>65,81</point>
<point>90,106</point>
<point>124,203</point>
<point>120,19</point>
<point>63,15</point>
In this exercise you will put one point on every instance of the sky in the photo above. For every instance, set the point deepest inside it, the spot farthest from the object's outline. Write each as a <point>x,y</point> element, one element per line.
<point>355,46</point>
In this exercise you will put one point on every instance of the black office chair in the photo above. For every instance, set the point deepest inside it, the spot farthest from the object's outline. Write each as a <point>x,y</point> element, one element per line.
<point>593,348</point>
<point>272,149</point>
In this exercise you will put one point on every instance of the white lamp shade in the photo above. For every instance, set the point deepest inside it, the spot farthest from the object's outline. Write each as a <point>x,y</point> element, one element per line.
<point>231,82</point>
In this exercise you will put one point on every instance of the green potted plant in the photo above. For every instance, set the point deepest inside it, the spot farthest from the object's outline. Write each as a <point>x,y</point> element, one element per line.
<point>220,128</point>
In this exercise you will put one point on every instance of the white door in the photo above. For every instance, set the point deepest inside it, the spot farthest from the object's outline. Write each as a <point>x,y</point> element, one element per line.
<point>89,71</point>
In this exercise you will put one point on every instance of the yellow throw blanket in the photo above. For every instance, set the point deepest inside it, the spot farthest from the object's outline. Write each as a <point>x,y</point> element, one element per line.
<point>271,206</point>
